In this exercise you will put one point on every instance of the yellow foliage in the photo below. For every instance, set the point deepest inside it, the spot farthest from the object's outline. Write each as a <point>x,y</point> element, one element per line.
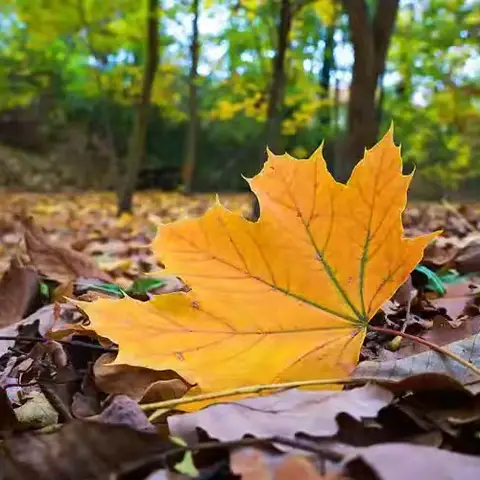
<point>300,152</point>
<point>226,110</point>
<point>326,10</point>
<point>285,298</point>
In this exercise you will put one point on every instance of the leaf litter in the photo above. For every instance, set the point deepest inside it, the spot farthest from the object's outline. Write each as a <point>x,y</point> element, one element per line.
<point>75,248</point>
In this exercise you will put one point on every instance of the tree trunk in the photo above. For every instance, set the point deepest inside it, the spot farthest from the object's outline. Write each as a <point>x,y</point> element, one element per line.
<point>328,67</point>
<point>138,137</point>
<point>273,124</point>
<point>277,86</point>
<point>190,158</point>
<point>370,39</point>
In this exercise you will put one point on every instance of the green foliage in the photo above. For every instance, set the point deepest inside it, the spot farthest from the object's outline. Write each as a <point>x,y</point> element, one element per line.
<point>434,103</point>
<point>86,57</point>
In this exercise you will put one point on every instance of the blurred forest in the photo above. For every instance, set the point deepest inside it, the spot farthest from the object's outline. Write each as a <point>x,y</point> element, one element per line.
<point>186,94</point>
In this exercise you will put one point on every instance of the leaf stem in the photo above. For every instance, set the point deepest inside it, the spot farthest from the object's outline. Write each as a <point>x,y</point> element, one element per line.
<point>433,346</point>
<point>256,389</point>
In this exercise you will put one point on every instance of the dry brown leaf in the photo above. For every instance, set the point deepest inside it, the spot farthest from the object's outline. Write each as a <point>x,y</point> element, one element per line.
<point>283,414</point>
<point>19,287</point>
<point>141,384</point>
<point>430,361</point>
<point>252,464</point>
<point>47,318</point>
<point>106,450</point>
<point>57,261</point>
<point>122,410</point>
<point>401,461</point>
<point>8,419</point>
<point>299,468</point>
<point>468,259</point>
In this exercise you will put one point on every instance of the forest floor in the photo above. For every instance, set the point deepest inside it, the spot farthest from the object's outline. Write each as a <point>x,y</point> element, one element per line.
<point>88,223</point>
<point>418,404</point>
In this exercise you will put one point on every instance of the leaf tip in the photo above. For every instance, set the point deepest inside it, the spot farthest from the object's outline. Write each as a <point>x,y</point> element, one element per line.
<point>318,152</point>
<point>247,179</point>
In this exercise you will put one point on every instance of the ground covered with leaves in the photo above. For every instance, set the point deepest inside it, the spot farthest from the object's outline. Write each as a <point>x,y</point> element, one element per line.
<point>100,370</point>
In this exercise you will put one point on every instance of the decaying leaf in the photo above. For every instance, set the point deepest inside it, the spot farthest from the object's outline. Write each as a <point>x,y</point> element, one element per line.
<point>287,297</point>
<point>19,286</point>
<point>122,410</point>
<point>57,261</point>
<point>430,362</point>
<point>398,461</point>
<point>252,465</point>
<point>105,450</point>
<point>48,318</point>
<point>36,412</point>
<point>138,383</point>
<point>283,414</point>
<point>8,419</point>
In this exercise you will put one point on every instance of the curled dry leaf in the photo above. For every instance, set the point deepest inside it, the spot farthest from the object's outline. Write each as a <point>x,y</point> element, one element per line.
<point>141,384</point>
<point>48,318</point>
<point>19,287</point>
<point>57,261</point>
<point>288,297</point>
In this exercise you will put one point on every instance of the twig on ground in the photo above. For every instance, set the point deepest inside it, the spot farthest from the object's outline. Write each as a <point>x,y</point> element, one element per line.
<point>74,343</point>
<point>263,442</point>
<point>433,346</point>
<point>257,389</point>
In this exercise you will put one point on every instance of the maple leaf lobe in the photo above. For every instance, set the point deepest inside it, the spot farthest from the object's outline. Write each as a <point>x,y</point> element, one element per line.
<point>287,297</point>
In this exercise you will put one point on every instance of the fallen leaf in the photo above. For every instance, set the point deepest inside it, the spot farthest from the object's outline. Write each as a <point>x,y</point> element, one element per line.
<point>47,320</point>
<point>429,361</point>
<point>441,334</point>
<point>253,465</point>
<point>122,410</point>
<point>250,464</point>
<point>19,287</point>
<point>84,406</point>
<point>37,412</point>
<point>288,297</point>
<point>405,292</point>
<point>8,419</point>
<point>467,260</point>
<point>399,461</point>
<point>283,414</point>
<point>105,451</point>
<point>57,261</point>
<point>141,384</point>
<point>298,467</point>
<point>115,265</point>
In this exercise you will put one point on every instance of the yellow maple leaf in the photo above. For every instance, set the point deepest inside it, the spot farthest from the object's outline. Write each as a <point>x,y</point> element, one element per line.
<point>285,298</point>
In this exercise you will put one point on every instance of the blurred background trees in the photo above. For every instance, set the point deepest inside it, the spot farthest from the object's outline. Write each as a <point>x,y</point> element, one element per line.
<point>125,94</point>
